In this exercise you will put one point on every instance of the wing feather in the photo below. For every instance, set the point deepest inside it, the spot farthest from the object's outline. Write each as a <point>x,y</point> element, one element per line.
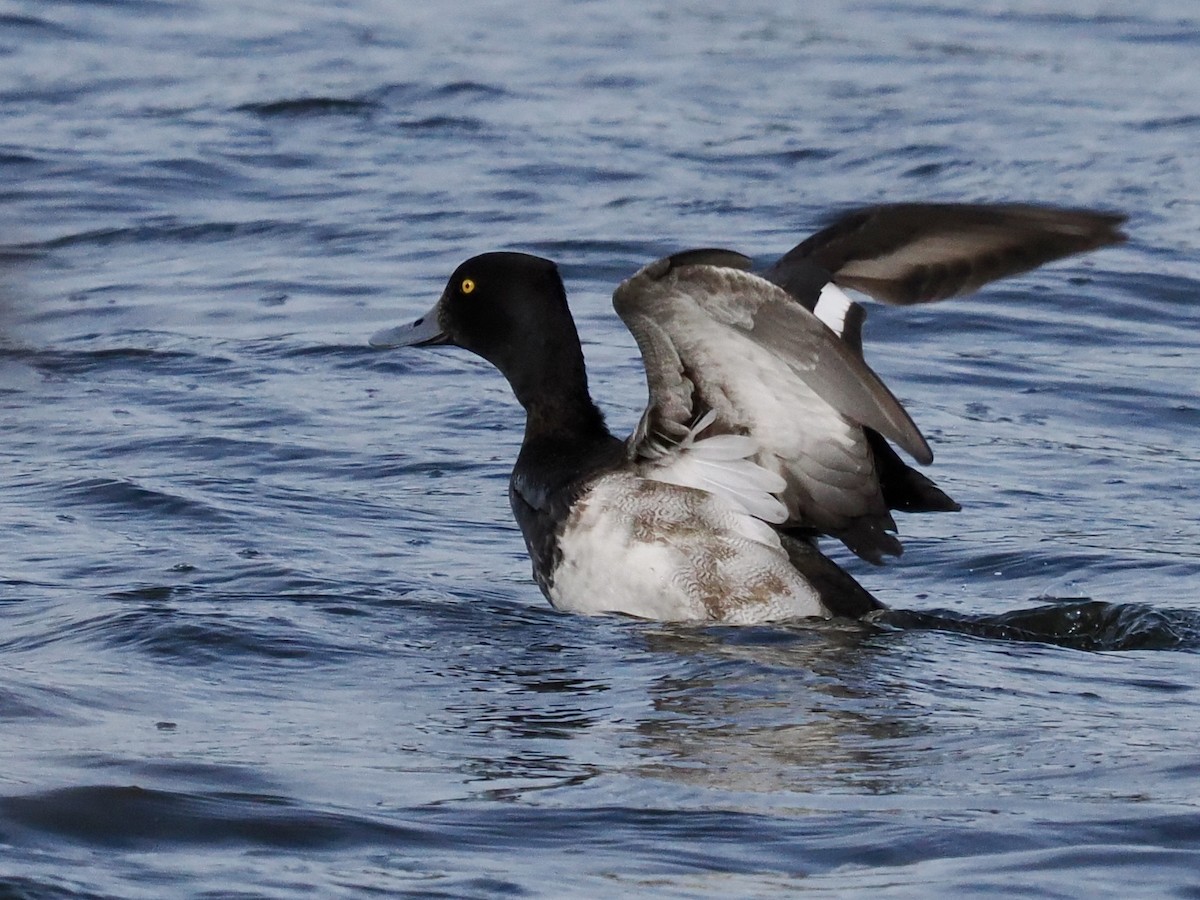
<point>778,358</point>
<point>723,342</point>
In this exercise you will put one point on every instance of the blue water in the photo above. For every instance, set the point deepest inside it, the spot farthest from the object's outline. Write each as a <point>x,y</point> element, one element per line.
<point>266,626</point>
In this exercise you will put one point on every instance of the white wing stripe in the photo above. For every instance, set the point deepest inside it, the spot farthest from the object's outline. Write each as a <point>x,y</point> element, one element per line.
<point>832,306</point>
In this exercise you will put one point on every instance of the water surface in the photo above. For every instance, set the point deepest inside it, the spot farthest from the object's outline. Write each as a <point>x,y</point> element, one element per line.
<point>268,628</point>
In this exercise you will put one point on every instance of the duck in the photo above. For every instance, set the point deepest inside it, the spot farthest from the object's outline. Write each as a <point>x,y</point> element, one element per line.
<point>765,430</point>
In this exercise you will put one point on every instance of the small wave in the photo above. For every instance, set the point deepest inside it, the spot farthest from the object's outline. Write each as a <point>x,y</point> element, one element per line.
<point>171,635</point>
<point>932,169</point>
<point>443,125</point>
<point>59,364</point>
<point>199,638</point>
<point>18,159</point>
<point>1078,623</point>
<point>131,816</point>
<point>474,89</point>
<point>1171,123</point>
<point>123,495</point>
<point>802,154</point>
<point>84,359</point>
<point>301,107</point>
<point>163,230</point>
<point>30,702</point>
<point>36,25</point>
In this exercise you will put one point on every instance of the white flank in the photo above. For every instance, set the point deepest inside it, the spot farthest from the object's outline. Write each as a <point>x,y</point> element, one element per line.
<point>658,551</point>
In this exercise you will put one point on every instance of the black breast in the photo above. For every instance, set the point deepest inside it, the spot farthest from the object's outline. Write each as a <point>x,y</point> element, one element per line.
<point>548,478</point>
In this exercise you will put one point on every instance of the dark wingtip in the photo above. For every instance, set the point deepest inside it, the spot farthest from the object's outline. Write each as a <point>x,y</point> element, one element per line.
<point>904,488</point>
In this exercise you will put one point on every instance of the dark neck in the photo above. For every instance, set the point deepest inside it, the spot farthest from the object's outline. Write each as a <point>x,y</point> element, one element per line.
<point>560,410</point>
<point>566,442</point>
<point>548,377</point>
<point>565,434</point>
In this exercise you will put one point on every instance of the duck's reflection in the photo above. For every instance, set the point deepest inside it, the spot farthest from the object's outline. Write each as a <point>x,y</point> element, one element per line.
<point>760,709</point>
<point>776,709</point>
<point>779,712</point>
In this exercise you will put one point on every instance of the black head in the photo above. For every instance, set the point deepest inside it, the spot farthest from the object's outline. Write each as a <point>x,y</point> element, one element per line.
<point>505,307</point>
<point>511,309</point>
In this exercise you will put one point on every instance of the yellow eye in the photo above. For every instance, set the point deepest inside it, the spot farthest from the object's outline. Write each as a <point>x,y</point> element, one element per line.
<point>467,286</point>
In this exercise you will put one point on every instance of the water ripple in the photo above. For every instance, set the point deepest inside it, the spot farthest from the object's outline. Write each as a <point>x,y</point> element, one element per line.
<point>266,624</point>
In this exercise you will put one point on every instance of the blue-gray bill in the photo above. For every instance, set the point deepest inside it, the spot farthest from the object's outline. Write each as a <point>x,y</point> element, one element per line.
<point>424,331</point>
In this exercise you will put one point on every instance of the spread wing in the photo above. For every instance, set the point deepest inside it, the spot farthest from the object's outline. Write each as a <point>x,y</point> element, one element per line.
<point>733,351</point>
<point>778,359</point>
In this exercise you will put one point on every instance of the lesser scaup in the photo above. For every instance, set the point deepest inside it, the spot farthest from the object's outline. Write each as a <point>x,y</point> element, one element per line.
<point>765,426</point>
